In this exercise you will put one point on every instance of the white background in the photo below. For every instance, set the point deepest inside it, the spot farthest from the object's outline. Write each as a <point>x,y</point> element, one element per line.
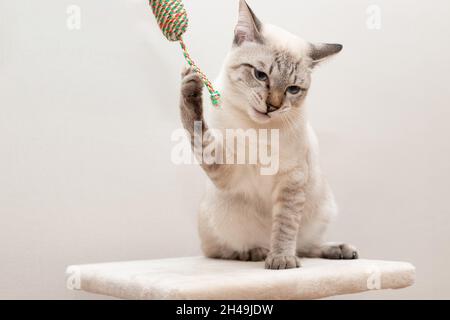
<point>86,117</point>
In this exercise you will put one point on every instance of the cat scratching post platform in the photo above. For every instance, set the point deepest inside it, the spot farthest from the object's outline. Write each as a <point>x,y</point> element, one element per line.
<point>202,278</point>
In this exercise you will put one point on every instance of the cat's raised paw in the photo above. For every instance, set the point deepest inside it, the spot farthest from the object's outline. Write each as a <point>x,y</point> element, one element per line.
<point>278,262</point>
<point>339,251</point>
<point>191,83</point>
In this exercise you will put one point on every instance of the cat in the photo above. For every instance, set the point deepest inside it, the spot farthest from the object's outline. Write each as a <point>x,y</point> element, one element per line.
<point>245,215</point>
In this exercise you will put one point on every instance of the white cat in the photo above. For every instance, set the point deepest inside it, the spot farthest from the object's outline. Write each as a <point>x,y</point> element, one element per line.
<point>245,215</point>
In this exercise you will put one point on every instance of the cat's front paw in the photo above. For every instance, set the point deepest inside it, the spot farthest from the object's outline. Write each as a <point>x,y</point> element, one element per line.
<point>278,261</point>
<point>339,251</point>
<point>191,84</point>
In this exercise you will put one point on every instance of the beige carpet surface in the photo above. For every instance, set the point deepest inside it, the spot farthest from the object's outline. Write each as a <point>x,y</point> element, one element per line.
<point>202,278</point>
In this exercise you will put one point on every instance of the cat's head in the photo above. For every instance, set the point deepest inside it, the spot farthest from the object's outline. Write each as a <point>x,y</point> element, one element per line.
<point>269,69</point>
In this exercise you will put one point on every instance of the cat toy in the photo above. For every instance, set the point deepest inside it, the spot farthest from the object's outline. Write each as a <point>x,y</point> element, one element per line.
<point>172,19</point>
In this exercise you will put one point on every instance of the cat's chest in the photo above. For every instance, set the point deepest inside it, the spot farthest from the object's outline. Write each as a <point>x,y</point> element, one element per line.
<point>254,185</point>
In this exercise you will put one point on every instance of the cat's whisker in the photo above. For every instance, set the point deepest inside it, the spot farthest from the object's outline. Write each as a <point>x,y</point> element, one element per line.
<point>256,100</point>
<point>285,110</point>
<point>291,125</point>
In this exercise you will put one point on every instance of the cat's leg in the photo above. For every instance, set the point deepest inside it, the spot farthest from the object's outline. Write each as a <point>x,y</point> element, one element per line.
<point>255,254</point>
<point>213,249</point>
<point>231,228</point>
<point>289,204</point>
<point>331,250</point>
<point>191,107</point>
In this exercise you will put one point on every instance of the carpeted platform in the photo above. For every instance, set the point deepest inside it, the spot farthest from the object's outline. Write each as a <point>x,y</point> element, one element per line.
<point>202,278</point>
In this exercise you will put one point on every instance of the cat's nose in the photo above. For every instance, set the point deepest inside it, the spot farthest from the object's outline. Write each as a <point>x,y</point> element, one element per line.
<point>271,107</point>
<point>274,100</point>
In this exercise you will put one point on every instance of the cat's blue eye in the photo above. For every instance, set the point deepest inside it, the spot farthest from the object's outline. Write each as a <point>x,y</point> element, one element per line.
<point>293,89</point>
<point>261,76</point>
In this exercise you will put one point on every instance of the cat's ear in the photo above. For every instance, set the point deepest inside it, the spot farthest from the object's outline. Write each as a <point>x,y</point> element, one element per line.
<point>322,51</point>
<point>248,27</point>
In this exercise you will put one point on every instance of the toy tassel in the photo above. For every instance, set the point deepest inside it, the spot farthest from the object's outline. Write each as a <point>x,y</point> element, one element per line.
<point>173,22</point>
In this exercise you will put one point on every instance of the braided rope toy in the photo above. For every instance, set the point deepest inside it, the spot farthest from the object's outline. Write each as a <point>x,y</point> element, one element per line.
<point>173,21</point>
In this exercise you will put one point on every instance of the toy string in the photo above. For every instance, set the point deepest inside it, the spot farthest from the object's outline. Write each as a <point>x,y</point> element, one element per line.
<point>173,21</point>
<point>215,95</point>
